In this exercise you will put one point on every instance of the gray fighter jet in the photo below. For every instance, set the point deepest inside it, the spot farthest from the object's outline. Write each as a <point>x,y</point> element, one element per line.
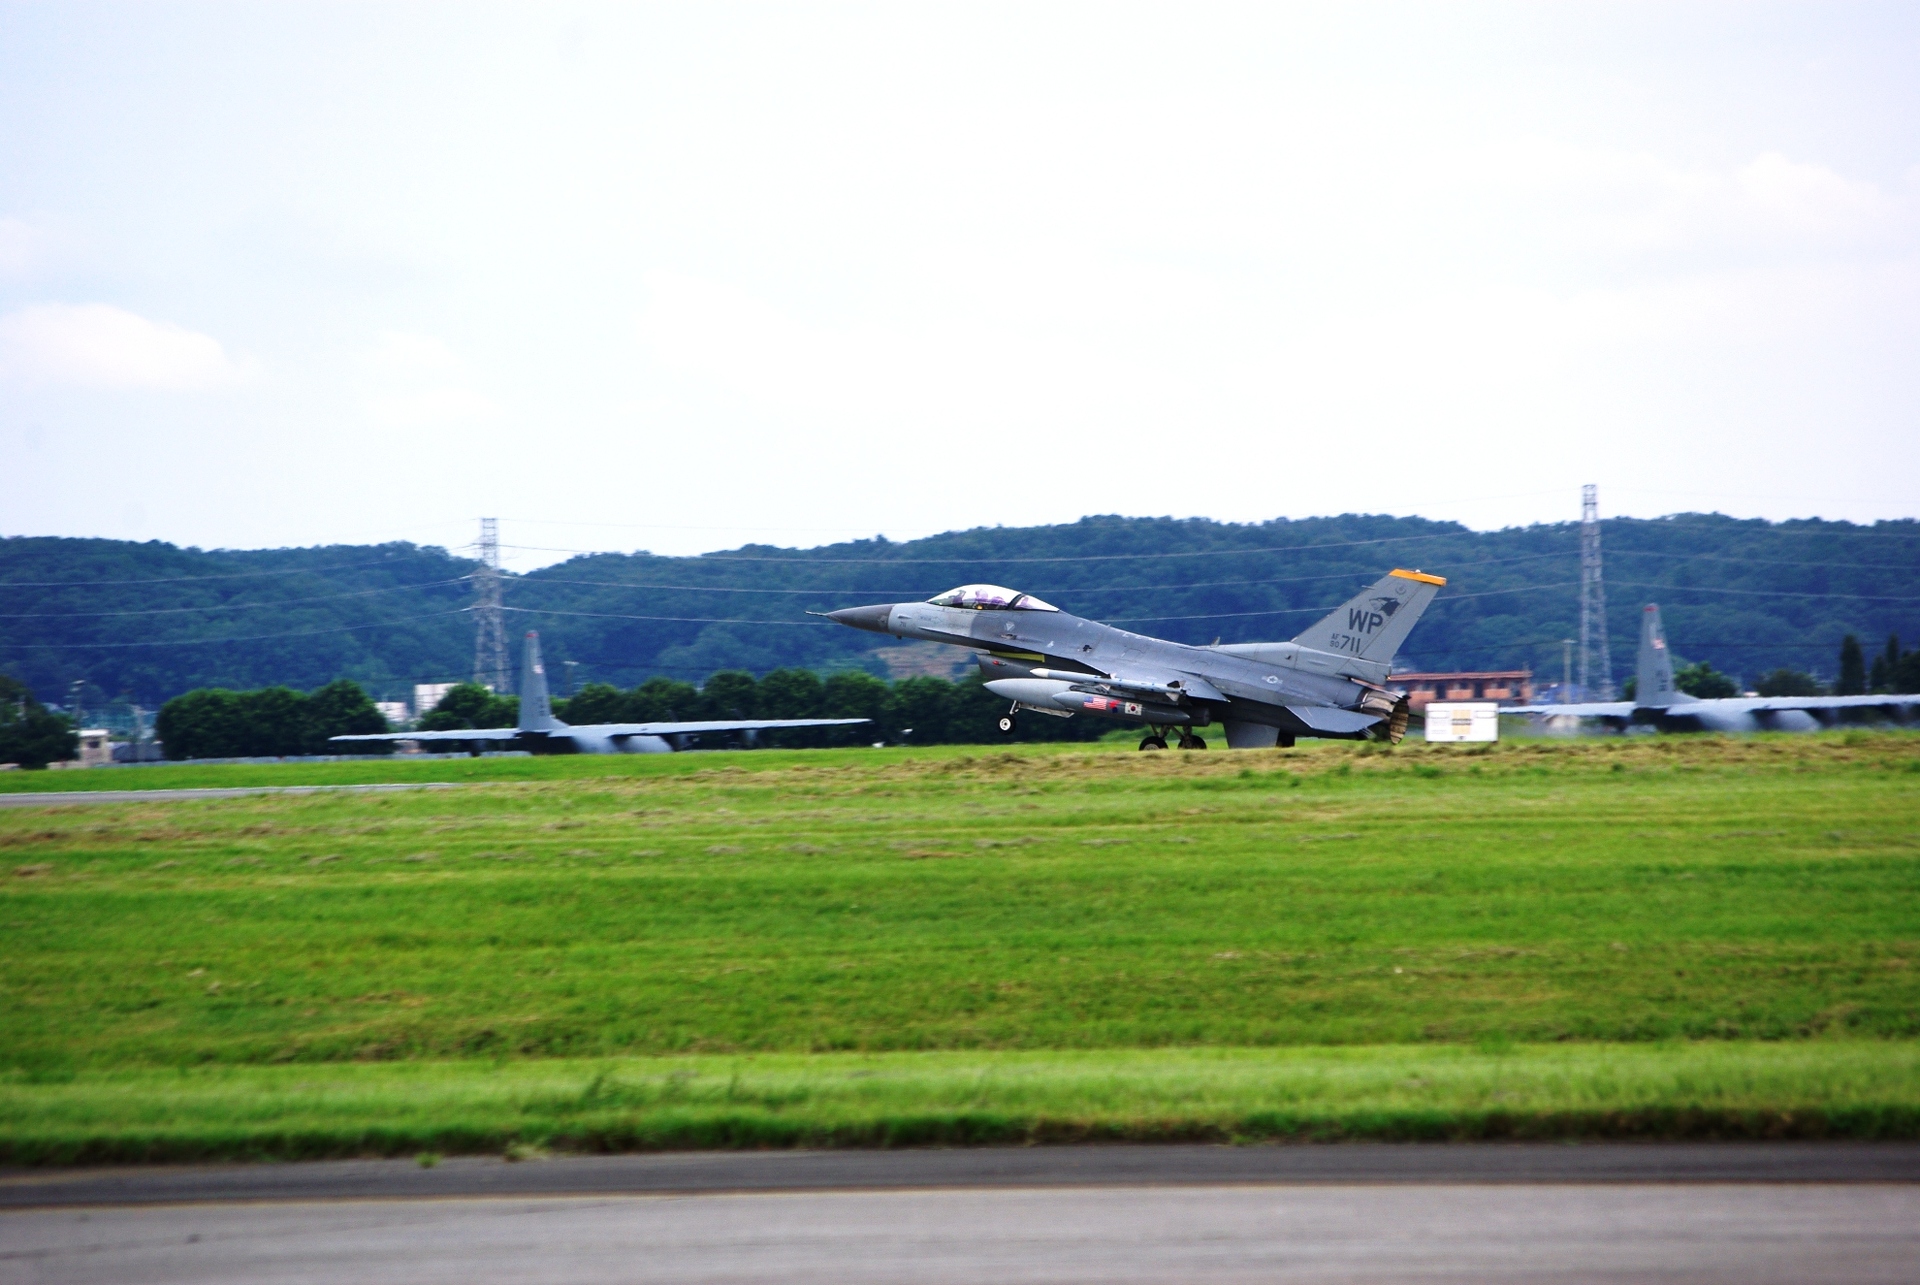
<point>1657,703</point>
<point>1329,681</point>
<point>541,733</point>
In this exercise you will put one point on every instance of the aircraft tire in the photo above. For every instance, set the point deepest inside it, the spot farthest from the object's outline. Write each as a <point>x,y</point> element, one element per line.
<point>1153,743</point>
<point>1193,743</point>
<point>1006,725</point>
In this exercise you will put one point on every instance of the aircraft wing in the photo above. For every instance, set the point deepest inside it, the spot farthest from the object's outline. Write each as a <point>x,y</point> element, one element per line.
<point>460,734</point>
<point>1589,709</point>
<point>1766,704</point>
<point>714,725</point>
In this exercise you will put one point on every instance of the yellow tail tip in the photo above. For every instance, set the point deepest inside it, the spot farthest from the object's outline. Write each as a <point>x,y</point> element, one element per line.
<point>1421,576</point>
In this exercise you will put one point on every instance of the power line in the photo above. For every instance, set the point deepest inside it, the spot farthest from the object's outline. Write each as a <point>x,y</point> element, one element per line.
<point>1214,615</point>
<point>1772,528</point>
<point>1301,611</point>
<point>1763,593</point>
<point>672,526</point>
<point>228,606</point>
<point>682,620</point>
<point>208,642</point>
<point>238,575</point>
<point>1754,562</point>
<point>995,561</point>
<point>1056,589</point>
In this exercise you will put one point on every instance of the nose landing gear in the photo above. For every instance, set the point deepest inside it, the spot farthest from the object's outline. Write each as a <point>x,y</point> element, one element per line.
<point>1153,741</point>
<point>1006,723</point>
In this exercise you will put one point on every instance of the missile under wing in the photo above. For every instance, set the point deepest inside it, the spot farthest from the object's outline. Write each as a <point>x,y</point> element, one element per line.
<point>541,733</point>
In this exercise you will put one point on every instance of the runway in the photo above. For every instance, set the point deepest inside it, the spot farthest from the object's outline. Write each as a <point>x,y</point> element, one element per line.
<point>1380,1233</point>
<point>46,798</point>
<point>681,1173</point>
<point>1742,1212</point>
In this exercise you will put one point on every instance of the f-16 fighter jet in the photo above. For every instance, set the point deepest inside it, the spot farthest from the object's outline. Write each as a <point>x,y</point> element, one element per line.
<point>1329,681</point>
<point>1659,704</point>
<point>541,733</point>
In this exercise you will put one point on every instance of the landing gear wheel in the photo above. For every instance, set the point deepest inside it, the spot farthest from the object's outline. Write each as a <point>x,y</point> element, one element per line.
<point>1193,743</point>
<point>1006,725</point>
<point>1153,743</point>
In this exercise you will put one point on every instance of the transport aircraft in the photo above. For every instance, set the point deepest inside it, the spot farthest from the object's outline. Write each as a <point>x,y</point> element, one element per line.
<point>541,733</point>
<point>1328,682</point>
<point>1658,703</point>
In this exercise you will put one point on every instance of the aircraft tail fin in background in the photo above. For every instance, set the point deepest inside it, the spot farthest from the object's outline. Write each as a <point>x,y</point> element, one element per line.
<point>536,710</point>
<point>1373,625</point>
<point>1654,688</point>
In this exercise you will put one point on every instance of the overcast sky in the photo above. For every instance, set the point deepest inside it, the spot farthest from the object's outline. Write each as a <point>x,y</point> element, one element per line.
<point>677,278</point>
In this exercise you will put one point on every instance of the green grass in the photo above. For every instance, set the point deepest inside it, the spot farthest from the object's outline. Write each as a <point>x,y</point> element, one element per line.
<point>1178,917</point>
<point>1736,1089</point>
<point>366,771</point>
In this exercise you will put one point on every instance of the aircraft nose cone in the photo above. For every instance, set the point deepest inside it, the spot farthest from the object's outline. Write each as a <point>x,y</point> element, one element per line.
<point>871,618</point>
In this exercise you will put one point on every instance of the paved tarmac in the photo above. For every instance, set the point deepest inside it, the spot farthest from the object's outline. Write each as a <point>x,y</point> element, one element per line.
<point>1377,1233</point>
<point>1748,1212</point>
<point>45,798</point>
<point>744,1171</point>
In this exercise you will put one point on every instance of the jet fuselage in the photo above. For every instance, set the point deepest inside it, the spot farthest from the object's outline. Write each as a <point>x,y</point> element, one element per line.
<point>1327,682</point>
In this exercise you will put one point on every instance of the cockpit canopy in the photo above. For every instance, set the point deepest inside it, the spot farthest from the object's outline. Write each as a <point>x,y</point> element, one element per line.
<point>991,597</point>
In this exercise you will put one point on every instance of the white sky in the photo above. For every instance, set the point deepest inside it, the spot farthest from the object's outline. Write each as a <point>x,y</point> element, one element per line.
<point>676,278</point>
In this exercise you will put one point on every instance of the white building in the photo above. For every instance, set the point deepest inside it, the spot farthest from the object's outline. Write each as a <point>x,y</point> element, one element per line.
<point>427,695</point>
<point>395,712</point>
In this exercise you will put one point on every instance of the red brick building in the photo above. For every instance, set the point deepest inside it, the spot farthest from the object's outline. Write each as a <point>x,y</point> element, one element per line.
<point>1506,686</point>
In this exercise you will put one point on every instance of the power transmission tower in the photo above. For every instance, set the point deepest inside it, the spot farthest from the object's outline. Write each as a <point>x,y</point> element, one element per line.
<point>1596,665</point>
<point>490,621</point>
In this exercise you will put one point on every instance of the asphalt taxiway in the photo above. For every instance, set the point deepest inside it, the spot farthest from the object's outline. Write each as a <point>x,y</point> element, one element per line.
<point>1740,1212</point>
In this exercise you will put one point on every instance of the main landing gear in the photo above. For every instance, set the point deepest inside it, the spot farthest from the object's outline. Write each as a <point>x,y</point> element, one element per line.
<point>1006,725</point>
<point>1156,739</point>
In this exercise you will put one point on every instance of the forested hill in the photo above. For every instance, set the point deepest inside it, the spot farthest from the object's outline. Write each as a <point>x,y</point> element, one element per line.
<point>152,620</point>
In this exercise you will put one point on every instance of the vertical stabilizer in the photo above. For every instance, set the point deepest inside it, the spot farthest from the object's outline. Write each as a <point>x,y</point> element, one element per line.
<point>1654,687</point>
<point>1373,625</point>
<point>536,711</point>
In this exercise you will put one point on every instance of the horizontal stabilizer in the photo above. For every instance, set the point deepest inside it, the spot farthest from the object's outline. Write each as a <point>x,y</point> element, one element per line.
<point>1325,718</point>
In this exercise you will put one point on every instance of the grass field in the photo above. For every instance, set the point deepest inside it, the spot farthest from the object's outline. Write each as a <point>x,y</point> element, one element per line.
<point>971,944</point>
<point>1703,1089</point>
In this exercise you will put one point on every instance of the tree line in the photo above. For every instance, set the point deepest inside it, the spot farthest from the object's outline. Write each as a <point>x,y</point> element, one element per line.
<point>29,735</point>
<point>269,722</point>
<point>1893,671</point>
<point>272,722</point>
<point>1743,595</point>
